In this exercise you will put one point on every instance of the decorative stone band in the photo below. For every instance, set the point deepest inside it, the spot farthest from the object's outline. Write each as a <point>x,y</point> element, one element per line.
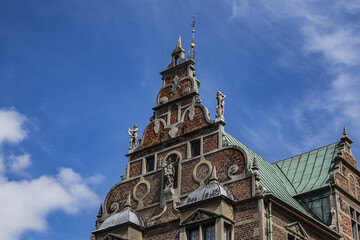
<point>202,180</point>
<point>140,199</point>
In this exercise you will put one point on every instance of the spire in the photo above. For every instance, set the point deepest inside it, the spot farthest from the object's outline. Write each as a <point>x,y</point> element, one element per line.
<point>255,166</point>
<point>213,177</point>
<point>178,47</point>
<point>128,202</point>
<point>344,131</point>
<point>192,51</point>
<point>345,137</point>
<point>178,55</point>
<point>100,213</point>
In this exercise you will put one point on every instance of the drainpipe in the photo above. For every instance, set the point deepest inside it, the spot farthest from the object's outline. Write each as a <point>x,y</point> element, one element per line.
<point>270,223</point>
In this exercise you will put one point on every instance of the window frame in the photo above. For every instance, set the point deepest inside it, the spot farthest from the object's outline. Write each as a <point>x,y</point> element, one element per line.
<point>146,163</point>
<point>198,141</point>
<point>355,223</point>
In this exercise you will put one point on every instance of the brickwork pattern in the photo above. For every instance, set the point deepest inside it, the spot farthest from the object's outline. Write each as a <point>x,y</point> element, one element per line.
<point>170,231</point>
<point>223,159</point>
<point>143,152</point>
<point>187,182</point>
<point>246,211</point>
<point>150,137</point>
<point>345,223</point>
<point>174,114</point>
<point>167,91</point>
<point>342,181</point>
<point>135,169</point>
<point>180,72</point>
<point>155,187</point>
<point>119,194</point>
<point>281,218</point>
<point>240,189</point>
<point>210,143</point>
<point>350,159</point>
<point>162,110</point>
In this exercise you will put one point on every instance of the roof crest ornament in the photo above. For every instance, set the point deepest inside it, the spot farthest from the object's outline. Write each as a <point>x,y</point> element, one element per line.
<point>192,52</point>
<point>128,202</point>
<point>255,165</point>
<point>345,137</point>
<point>213,177</point>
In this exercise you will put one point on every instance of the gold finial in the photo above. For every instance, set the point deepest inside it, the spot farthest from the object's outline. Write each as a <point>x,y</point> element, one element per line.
<point>192,52</point>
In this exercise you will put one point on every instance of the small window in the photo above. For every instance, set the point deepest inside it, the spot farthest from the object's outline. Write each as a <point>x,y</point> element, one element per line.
<point>195,148</point>
<point>150,164</point>
<point>194,234</point>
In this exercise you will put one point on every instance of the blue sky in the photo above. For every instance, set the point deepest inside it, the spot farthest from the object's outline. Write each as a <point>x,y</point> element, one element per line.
<point>75,75</point>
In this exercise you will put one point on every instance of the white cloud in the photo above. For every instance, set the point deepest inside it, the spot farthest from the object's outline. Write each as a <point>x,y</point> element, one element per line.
<point>26,203</point>
<point>11,126</point>
<point>19,163</point>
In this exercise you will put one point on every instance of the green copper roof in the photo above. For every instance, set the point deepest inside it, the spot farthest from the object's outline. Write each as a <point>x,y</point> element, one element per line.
<point>270,180</point>
<point>307,171</point>
<point>276,182</point>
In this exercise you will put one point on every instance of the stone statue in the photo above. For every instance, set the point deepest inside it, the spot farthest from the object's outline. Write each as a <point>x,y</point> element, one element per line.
<point>169,171</point>
<point>134,133</point>
<point>169,174</point>
<point>220,105</point>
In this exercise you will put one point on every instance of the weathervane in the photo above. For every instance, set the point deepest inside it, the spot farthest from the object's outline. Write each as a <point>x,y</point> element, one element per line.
<point>192,51</point>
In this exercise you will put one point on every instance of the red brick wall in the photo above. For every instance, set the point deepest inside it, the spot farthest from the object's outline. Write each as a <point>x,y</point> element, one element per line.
<point>159,147</point>
<point>224,159</point>
<point>166,92</point>
<point>119,194</point>
<point>281,218</point>
<point>241,189</point>
<point>150,137</point>
<point>169,77</point>
<point>155,187</point>
<point>174,114</point>
<point>342,181</point>
<point>187,182</point>
<point>348,180</point>
<point>350,159</point>
<point>210,143</point>
<point>244,218</point>
<point>166,232</point>
<point>135,169</point>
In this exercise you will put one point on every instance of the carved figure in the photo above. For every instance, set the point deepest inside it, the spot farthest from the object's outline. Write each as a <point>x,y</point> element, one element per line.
<point>220,105</point>
<point>169,174</point>
<point>169,171</point>
<point>134,133</point>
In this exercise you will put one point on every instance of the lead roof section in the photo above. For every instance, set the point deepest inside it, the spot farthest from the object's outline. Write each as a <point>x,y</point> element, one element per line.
<point>308,171</point>
<point>125,216</point>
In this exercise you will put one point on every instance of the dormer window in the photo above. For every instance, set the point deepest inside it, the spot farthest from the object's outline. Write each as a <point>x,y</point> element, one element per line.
<point>209,232</point>
<point>194,234</point>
